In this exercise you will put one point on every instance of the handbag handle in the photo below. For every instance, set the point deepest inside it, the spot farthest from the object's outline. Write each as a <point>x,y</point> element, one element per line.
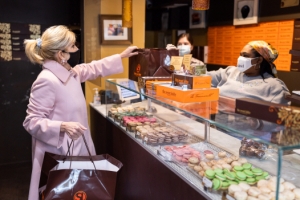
<point>69,152</point>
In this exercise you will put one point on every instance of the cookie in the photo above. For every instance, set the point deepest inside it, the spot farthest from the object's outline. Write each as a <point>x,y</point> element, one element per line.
<point>222,154</point>
<point>210,156</point>
<point>193,160</point>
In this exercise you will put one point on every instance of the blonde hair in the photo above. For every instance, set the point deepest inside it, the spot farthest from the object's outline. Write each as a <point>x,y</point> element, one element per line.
<point>54,39</point>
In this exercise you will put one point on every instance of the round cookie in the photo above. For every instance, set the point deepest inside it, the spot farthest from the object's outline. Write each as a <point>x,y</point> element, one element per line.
<point>210,174</point>
<point>233,189</point>
<point>247,166</point>
<point>193,160</point>
<point>245,186</point>
<point>254,191</point>
<point>222,154</point>
<point>241,176</point>
<point>197,168</point>
<point>216,184</point>
<point>240,195</point>
<point>210,156</point>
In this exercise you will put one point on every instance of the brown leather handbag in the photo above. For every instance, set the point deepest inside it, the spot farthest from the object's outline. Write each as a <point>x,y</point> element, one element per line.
<point>79,183</point>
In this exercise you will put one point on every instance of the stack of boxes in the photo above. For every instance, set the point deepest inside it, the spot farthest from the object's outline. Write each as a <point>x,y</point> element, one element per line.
<point>295,63</point>
<point>226,42</point>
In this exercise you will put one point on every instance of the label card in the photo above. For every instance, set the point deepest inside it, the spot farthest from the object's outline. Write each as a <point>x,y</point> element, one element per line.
<point>176,61</point>
<point>187,61</point>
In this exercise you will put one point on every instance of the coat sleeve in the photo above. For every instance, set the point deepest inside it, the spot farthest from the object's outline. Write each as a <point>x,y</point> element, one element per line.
<point>104,67</point>
<point>37,121</point>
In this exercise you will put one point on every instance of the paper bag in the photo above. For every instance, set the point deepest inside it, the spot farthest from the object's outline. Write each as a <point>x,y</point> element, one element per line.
<point>148,61</point>
<point>75,177</point>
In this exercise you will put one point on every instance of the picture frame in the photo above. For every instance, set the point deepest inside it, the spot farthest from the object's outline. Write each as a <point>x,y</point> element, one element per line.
<point>245,12</point>
<point>197,18</point>
<point>111,31</point>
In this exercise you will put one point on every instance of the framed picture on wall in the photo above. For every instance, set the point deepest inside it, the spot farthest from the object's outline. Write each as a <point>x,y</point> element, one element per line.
<point>245,12</point>
<point>111,31</point>
<point>197,18</point>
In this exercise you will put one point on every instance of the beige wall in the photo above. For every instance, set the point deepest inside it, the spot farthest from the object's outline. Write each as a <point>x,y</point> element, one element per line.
<point>93,50</point>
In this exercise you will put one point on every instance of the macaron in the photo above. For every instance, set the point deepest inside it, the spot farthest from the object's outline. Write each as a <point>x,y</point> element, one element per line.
<point>251,181</point>
<point>258,178</point>
<point>225,185</point>
<point>216,184</point>
<point>247,166</point>
<point>230,175</point>
<point>238,168</point>
<point>233,182</point>
<point>220,176</point>
<point>241,176</point>
<point>257,171</point>
<point>218,170</point>
<point>265,175</point>
<point>248,173</point>
<point>210,174</point>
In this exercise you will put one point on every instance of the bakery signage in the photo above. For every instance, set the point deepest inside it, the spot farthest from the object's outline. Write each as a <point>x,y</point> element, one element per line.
<point>12,36</point>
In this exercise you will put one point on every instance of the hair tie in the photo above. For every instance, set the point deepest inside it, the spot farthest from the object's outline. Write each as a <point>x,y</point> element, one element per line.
<point>39,42</point>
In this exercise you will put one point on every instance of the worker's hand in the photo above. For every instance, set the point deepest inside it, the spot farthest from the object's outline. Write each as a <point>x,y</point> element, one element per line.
<point>128,52</point>
<point>73,129</point>
<point>170,46</point>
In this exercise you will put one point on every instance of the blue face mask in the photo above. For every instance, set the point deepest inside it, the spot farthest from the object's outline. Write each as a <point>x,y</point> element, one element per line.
<point>184,49</point>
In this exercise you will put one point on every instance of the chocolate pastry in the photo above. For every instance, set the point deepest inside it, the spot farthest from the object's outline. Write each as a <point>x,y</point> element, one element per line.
<point>250,148</point>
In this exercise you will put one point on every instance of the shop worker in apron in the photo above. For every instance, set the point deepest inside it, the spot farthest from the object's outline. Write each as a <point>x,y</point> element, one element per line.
<point>56,111</point>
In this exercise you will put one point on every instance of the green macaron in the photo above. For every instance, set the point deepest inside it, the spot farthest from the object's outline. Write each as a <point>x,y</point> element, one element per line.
<point>216,184</point>
<point>265,175</point>
<point>220,176</point>
<point>251,181</point>
<point>241,176</point>
<point>230,175</point>
<point>225,185</point>
<point>247,166</point>
<point>238,168</point>
<point>258,178</point>
<point>248,173</point>
<point>218,171</point>
<point>210,174</point>
<point>257,171</point>
<point>233,183</point>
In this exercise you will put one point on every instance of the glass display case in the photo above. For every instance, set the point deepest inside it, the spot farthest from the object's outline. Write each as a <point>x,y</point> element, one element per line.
<point>222,154</point>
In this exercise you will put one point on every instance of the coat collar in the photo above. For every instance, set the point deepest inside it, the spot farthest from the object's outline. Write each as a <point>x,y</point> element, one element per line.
<point>58,70</point>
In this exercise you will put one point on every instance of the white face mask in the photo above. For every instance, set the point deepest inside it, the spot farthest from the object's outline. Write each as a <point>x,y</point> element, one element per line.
<point>184,49</point>
<point>244,63</point>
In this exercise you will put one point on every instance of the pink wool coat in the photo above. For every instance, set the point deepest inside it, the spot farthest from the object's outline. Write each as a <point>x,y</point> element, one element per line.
<point>56,97</point>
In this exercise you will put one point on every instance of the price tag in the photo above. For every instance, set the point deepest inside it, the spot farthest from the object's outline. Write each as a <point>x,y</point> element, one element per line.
<point>207,182</point>
<point>145,139</point>
<point>138,133</point>
<point>228,197</point>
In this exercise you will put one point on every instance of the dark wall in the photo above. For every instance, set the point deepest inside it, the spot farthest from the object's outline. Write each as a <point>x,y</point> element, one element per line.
<point>16,77</point>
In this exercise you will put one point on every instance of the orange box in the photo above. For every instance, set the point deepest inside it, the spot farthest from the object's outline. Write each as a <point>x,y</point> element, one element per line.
<point>283,49</point>
<point>193,82</point>
<point>286,29</point>
<point>287,23</point>
<point>187,96</point>
<point>285,36</point>
<point>269,24</point>
<point>285,42</point>
<point>272,30</point>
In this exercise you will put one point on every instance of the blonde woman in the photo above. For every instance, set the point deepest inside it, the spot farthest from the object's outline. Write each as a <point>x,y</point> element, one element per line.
<point>56,111</point>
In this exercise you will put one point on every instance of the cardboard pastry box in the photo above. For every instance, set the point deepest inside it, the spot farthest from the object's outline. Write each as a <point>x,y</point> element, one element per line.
<point>192,82</point>
<point>272,112</point>
<point>187,96</point>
